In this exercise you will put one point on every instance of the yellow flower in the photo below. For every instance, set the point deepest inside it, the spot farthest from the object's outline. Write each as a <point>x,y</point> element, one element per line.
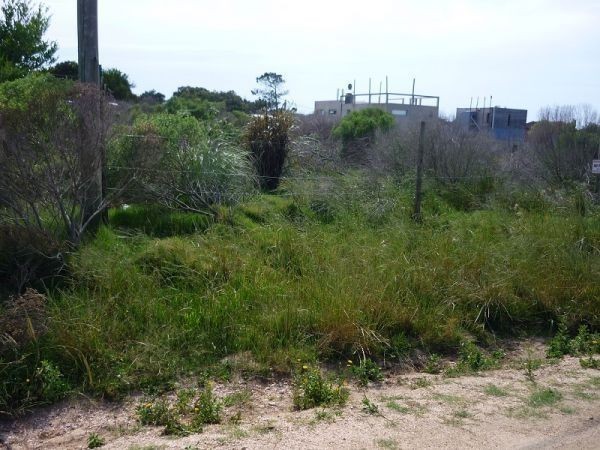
<point>349,361</point>
<point>305,367</point>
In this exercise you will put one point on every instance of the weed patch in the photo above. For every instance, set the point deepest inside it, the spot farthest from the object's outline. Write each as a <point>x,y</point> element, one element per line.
<point>544,397</point>
<point>366,371</point>
<point>312,389</point>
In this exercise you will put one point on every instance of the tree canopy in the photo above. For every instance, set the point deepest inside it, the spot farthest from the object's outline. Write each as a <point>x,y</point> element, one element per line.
<point>22,45</point>
<point>270,90</point>
<point>68,70</point>
<point>118,84</point>
<point>363,124</point>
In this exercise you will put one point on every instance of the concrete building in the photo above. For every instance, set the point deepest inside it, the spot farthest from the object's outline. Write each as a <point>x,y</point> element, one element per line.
<point>505,124</point>
<point>406,108</point>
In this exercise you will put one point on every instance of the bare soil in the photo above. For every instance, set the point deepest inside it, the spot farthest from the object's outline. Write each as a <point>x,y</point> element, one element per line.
<point>415,410</point>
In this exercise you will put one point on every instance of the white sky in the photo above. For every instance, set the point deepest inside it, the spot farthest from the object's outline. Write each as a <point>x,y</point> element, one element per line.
<point>526,53</point>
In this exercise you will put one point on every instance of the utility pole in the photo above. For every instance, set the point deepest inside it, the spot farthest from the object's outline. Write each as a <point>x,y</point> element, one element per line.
<point>418,194</point>
<point>92,164</point>
<point>87,33</point>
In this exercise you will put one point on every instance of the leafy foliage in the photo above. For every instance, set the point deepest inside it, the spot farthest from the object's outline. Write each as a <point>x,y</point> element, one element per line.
<point>68,70</point>
<point>22,45</point>
<point>311,389</point>
<point>564,151</point>
<point>367,371</point>
<point>55,137</point>
<point>179,163</point>
<point>118,84</point>
<point>363,124</point>
<point>152,97</point>
<point>207,105</point>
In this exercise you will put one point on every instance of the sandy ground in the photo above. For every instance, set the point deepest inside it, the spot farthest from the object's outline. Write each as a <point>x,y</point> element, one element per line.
<point>415,411</point>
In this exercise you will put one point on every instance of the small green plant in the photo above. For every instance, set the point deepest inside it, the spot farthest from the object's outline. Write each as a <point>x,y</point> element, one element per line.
<point>184,398</point>
<point>369,407</point>
<point>153,412</point>
<point>495,391</point>
<point>312,389</point>
<point>584,343</point>
<point>544,397</point>
<point>324,415</point>
<point>52,383</point>
<point>559,344</point>
<point>462,414</point>
<point>367,371</point>
<point>472,358</point>
<point>237,398</point>
<point>95,441</point>
<point>419,383</point>
<point>590,363</point>
<point>530,365</point>
<point>395,406</point>
<point>434,364</point>
<point>207,409</point>
<point>158,413</point>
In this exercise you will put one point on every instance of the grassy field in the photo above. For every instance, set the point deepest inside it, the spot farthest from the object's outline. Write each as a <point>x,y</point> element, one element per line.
<point>325,270</point>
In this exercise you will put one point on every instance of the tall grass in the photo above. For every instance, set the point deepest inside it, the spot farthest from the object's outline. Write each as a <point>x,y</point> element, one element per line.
<point>274,279</point>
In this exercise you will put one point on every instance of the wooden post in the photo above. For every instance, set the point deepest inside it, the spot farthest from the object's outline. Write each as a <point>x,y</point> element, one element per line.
<point>89,72</point>
<point>418,194</point>
<point>87,33</point>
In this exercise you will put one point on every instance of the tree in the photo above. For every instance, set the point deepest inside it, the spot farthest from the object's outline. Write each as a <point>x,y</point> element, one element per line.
<point>118,84</point>
<point>152,97</point>
<point>115,81</point>
<point>68,70</point>
<point>22,45</point>
<point>271,90</point>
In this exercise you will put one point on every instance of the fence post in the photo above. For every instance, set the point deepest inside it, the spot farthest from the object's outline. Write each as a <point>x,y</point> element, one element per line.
<point>418,194</point>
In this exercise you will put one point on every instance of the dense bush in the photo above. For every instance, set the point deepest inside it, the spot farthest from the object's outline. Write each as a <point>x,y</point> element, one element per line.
<point>358,129</point>
<point>363,124</point>
<point>52,135</point>
<point>564,152</point>
<point>267,136</point>
<point>178,162</point>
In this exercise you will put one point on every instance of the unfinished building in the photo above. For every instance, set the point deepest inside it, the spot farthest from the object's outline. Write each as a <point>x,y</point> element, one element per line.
<point>406,108</point>
<point>505,124</point>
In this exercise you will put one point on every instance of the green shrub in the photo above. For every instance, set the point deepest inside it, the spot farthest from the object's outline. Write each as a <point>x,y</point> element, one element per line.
<point>177,162</point>
<point>559,344</point>
<point>95,441</point>
<point>363,124</point>
<point>584,343</point>
<point>25,383</point>
<point>311,389</point>
<point>357,131</point>
<point>434,364</point>
<point>207,409</point>
<point>367,371</point>
<point>473,359</point>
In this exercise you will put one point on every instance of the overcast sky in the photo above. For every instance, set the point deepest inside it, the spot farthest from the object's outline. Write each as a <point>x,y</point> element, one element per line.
<point>524,53</point>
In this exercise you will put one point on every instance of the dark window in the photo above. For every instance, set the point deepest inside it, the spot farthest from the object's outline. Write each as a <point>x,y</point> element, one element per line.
<point>508,121</point>
<point>332,111</point>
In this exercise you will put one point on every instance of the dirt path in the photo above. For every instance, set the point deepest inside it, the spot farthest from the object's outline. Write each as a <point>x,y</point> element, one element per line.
<point>496,409</point>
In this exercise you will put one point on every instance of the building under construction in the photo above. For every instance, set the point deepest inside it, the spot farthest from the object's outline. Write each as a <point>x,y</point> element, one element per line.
<point>505,124</point>
<point>406,108</point>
